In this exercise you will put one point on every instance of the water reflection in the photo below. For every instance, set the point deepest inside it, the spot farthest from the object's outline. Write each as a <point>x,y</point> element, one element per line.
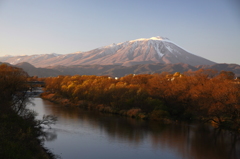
<point>49,135</point>
<point>188,141</point>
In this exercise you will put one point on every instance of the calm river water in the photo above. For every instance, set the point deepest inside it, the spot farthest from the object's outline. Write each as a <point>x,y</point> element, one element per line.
<point>81,134</point>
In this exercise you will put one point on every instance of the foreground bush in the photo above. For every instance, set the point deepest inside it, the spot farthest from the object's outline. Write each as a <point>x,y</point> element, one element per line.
<point>19,131</point>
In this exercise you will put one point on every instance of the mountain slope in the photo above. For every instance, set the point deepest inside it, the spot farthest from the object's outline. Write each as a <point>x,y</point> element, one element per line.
<point>129,53</point>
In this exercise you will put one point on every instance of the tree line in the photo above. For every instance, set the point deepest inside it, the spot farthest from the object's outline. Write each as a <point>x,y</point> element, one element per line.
<point>203,95</point>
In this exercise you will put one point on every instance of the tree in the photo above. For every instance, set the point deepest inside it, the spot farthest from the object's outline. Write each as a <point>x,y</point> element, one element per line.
<point>226,75</point>
<point>14,91</point>
<point>13,88</point>
<point>19,130</point>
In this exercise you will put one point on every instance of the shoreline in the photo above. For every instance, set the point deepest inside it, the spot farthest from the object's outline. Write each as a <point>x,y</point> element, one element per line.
<point>136,113</point>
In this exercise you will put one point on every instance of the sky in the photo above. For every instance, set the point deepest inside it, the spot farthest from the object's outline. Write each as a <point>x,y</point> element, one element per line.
<point>207,28</point>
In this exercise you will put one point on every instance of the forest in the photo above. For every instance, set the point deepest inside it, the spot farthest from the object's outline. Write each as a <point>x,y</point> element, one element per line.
<point>201,96</point>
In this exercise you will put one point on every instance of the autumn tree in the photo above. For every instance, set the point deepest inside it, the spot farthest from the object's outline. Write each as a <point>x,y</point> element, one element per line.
<point>226,75</point>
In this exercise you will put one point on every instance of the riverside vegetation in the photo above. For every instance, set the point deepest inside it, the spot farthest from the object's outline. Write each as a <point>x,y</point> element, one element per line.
<point>20,132</point>
<point>203,95</point>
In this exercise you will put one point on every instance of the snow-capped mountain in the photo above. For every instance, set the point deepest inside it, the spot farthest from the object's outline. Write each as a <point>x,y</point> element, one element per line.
<point>139,51</point>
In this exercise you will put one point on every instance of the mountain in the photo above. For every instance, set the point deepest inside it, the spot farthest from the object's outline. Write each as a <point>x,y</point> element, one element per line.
<point>129,53</point>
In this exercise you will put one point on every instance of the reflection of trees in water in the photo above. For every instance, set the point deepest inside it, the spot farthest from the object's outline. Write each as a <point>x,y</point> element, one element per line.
<point>49,135</point>
<point>117,128</point>
<point>124,129</point>
<point>215,142</point>
<point>197,141</point>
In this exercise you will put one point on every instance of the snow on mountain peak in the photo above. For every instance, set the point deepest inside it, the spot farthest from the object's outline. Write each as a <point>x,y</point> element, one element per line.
<point>152,38</point>
<point>55,54</point>
<point>158,38</point>
<point>133,44</point>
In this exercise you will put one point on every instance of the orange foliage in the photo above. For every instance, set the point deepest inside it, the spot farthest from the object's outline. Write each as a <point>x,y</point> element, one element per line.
<point>203,94</point>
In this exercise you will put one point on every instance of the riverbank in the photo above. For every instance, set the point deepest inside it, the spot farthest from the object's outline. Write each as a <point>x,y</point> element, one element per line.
<point>157,115</point>
<point>19,138</point>
<point>154,115</point>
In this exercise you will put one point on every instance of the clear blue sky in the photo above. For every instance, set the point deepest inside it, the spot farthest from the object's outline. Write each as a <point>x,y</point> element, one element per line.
<point>208,28</point>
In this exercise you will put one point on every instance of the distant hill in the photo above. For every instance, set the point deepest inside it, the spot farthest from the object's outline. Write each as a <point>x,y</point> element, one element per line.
<point>226,67</point>
<point>119,71</point>
<point>129,53</point>
<point>40,72</point>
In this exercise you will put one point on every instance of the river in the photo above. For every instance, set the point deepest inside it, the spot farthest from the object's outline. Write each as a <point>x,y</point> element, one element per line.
<point>86,134</point>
